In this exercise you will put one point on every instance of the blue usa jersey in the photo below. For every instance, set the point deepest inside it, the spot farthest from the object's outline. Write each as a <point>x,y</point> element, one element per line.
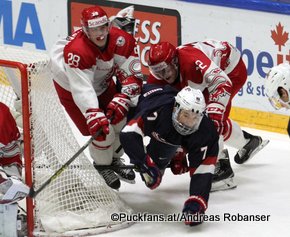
<point>153,117</point>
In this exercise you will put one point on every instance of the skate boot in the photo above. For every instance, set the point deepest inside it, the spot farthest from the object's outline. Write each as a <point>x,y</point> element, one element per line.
<point>110,177</point>
<point>254,145</point>
<point>12,189</point>
<point>223,174</point>
<point>127,175</point>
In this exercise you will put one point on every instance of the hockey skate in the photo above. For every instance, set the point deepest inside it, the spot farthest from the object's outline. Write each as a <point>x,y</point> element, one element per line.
<point>223,177</point>
<point>254,145</point>
<point>127,175</point>
<point>110,177</point>
<point>11,189</point>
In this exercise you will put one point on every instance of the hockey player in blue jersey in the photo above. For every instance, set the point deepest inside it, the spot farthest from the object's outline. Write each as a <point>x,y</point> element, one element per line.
<point>173,120</point>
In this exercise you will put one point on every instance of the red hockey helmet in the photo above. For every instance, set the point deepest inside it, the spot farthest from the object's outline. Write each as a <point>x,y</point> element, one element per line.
<point>94,17</point>
<point>162,60</point>
<point>161,52</point>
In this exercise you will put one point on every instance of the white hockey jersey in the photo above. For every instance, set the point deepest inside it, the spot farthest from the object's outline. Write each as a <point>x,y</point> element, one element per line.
<point>83,69</point>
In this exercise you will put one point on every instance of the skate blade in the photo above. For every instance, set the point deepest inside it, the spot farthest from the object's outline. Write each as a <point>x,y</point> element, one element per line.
<point>260,147</point>
<point>126,180</point>
<point>223,185</point>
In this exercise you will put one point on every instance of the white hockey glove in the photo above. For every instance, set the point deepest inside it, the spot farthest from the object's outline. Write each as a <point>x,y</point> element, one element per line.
<point>12,189</point>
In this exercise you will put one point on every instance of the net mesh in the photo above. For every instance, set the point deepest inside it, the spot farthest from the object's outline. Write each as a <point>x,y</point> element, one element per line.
<point>79,198</point>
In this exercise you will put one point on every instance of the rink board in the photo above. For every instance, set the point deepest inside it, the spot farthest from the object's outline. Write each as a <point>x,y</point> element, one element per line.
<point>260,120</point>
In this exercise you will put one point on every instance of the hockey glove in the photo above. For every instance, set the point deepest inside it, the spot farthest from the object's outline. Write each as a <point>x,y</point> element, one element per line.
<point>216,113</point>
<point>194,206</point>
<point>97,120</point>
<point>131,86</point>
<point>12,189</point>
<point>178,163</point>
<point>150,173</point>
<point>118,108</point>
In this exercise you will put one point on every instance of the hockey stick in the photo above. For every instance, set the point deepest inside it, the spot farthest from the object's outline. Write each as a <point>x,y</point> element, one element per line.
<point>33,193</point>
<point>114,167</point>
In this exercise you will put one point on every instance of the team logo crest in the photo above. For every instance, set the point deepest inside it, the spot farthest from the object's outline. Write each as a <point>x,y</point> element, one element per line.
<point>120,41</point>
<point>135,66</point>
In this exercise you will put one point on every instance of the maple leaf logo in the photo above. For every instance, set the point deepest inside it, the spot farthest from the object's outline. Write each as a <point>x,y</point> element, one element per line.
<point>279,36</point>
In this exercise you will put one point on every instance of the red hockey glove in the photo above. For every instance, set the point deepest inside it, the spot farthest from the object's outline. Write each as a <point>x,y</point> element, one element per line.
<point>97,120</point>
<point>216,113</point>
<point>118,108</point>
<point>131,86</point>
<point>224,126</point>
<point>194,205</point>
<point>150,173</point>
<point>178,163</point>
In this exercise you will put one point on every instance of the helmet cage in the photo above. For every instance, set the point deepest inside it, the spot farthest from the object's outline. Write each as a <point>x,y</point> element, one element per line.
<point>182,128</point>
<point>277,103</point>
<point>125,23</point>
<point>188,110</point>
<point>278,78</point>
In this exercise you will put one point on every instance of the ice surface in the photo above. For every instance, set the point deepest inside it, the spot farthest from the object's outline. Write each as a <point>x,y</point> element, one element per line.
<point>263,189</point>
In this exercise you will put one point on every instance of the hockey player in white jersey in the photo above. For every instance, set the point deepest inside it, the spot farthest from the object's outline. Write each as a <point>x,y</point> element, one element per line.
<point>12,188</point>
<point>277,87</point>
<point>97,77</point>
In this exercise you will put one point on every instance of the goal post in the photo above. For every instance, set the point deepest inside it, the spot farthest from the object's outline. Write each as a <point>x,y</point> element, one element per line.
<point>78,202</point>
<point>8,96</point>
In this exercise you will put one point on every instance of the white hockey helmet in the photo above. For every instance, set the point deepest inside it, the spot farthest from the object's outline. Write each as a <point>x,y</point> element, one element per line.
<point>277,86</point>
<point>125,20</point>
<point>188,110</point>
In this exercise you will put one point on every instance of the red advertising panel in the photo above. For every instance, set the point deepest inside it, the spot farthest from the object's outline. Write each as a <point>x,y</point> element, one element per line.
<point>153,24</point>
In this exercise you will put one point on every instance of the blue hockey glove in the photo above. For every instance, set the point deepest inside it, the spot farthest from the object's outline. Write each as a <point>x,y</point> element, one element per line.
<point>150,173</point>
<point>194,208</point>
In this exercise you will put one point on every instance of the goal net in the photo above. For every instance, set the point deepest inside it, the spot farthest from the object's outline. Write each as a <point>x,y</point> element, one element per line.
<point>78,202</point>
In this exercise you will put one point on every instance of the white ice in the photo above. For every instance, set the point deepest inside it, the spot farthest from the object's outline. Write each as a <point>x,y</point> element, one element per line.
<point>263,189</point>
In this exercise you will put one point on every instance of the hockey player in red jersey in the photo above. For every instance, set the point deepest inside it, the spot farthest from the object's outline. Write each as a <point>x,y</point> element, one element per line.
<point>216,68</point>
<point>97,78</point>
<point>277,87</point>
<point>12,189</point>
<point>172,120</point>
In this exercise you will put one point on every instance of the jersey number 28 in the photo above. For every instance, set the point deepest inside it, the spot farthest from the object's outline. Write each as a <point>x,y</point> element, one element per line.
<point>73,60</point>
